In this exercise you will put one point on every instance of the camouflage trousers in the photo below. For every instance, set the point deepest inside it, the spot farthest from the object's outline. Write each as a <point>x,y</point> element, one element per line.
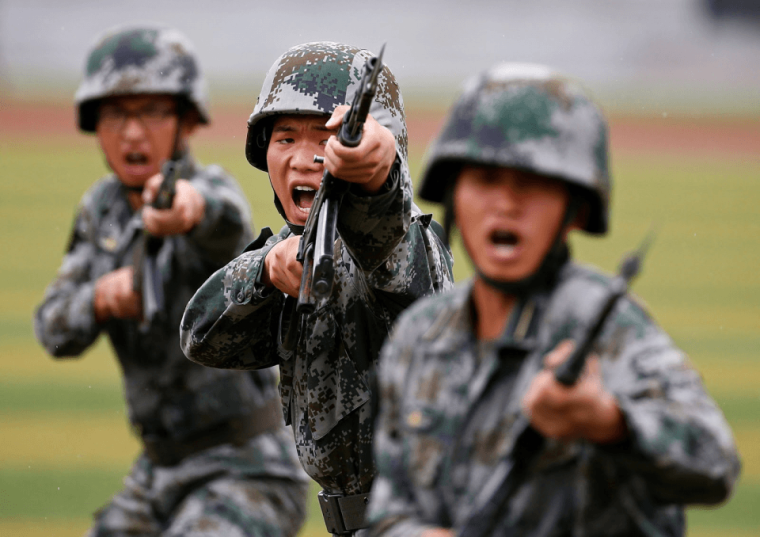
<point>190,501</point>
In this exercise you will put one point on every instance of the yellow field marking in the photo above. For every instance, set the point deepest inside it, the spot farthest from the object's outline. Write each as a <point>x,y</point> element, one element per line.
<point>748,443</point>
<point>723,532</point>
<point>736,380</point>
<point>33,527</point>
<point>16,302</point>
<point>77,527</point>
<point>30,363</point>
<point>66,441</point>
<point>727,321</point>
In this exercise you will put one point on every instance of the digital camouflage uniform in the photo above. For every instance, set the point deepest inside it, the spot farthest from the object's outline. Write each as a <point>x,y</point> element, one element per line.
<point>445,434</point>
<point>216,460</point>
<point>389,254</point>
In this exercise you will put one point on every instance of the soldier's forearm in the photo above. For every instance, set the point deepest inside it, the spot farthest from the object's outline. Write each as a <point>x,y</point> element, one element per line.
<point>65,322</point>
<point>684,451</point>
<point>372,226</point>
<point>227,317</point>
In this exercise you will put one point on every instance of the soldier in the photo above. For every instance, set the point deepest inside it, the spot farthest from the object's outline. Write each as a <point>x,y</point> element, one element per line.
<point>520,163</point>
<point>388,255</point>
<point>216,459</point>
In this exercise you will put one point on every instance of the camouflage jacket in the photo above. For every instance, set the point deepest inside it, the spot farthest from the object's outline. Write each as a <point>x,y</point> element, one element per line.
<point>388,256</point>
<point>448,403</point>
<point>167,396</point>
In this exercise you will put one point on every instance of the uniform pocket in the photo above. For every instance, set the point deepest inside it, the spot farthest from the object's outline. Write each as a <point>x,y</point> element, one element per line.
<point>422,426</point>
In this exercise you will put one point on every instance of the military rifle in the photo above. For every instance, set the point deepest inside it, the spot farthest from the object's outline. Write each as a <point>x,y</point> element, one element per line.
<point>528,441</point>
<point>316,249</point>
<point>146,277</point>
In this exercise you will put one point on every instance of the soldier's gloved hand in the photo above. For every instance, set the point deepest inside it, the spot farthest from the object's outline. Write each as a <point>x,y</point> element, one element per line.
<point>368,163</point>
<point>282,269</point>
<point>186,211</point>
<point>115,297</point>
<point>584,410</point>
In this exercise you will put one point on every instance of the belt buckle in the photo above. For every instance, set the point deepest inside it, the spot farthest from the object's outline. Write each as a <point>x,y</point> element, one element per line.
<point>331,512</point>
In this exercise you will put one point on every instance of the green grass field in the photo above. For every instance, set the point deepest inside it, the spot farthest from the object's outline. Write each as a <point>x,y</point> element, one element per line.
<point>65,443</point>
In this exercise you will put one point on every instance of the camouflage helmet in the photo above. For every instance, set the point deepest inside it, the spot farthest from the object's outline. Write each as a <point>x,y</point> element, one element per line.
<point>140,60</point>
<point>315,78</point>
<point>527,117</point>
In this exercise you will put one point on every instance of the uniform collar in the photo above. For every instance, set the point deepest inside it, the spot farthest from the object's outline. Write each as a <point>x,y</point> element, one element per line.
<point>454,325</point>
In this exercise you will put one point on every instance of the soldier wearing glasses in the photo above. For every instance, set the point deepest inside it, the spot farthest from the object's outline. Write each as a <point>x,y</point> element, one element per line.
<point>216,458</point>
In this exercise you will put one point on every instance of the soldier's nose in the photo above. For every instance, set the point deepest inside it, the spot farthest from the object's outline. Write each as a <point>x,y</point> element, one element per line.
<point>132,128</point>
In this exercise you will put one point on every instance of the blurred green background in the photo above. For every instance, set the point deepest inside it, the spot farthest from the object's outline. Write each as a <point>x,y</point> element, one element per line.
<point>65,443</point>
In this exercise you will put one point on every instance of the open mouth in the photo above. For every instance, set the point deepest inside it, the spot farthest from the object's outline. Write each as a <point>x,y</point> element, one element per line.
<point>136,158</point>
<point>505,241</point>
<point>303,197</point>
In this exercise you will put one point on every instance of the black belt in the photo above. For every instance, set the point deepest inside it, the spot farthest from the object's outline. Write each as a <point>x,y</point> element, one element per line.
<point>343,514</point>
<point>237,431</point>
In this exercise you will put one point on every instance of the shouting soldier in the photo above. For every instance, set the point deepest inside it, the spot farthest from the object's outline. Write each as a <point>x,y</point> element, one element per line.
<point>216,458</point>
<point>521,162</point>
<point>387,255</point>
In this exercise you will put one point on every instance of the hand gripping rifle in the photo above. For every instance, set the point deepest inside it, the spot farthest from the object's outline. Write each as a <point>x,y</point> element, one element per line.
<point>146,277</point>
<point>482,522</point>
<point>316,249</point>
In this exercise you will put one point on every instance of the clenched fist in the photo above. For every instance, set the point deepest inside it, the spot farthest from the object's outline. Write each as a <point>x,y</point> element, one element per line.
<point>186,212</point>
<point>115,297</point>
<point>369,163</point>
<point>282,269</point>
<point>584,410</point>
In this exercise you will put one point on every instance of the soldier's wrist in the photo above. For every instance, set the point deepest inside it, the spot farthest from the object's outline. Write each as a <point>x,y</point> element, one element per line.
<point>266,265</point>
<point>608,425</point>
<point>99,303</point>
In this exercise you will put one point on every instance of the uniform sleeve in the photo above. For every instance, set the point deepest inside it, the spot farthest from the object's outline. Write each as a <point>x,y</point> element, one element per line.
<point>372,225</point>
<point>419,265</point>
<point>393,510</point>
<point>400,249</point>
<point>228,322</point>
<point>680,442</point>
<point>225,227</point>
<point>65,321</point>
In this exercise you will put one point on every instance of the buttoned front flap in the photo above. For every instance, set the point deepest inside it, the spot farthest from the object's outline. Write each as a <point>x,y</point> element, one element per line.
<point>334,386</point>
<point>422,428</point>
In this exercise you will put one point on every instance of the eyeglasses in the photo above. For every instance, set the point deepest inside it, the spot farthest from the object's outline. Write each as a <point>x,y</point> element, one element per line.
<point>114,117</point>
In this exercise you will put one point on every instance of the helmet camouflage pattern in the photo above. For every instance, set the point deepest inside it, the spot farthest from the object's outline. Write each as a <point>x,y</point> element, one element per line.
<point>136,61</point>
<point>527,117</point>
<point>314,78</point>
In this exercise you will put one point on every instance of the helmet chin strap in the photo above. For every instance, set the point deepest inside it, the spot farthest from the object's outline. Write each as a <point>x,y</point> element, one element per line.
<point>546,274</point>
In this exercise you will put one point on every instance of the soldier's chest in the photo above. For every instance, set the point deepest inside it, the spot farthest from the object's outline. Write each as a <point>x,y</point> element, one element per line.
<point>114,239</point>
<point>457,414</point>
